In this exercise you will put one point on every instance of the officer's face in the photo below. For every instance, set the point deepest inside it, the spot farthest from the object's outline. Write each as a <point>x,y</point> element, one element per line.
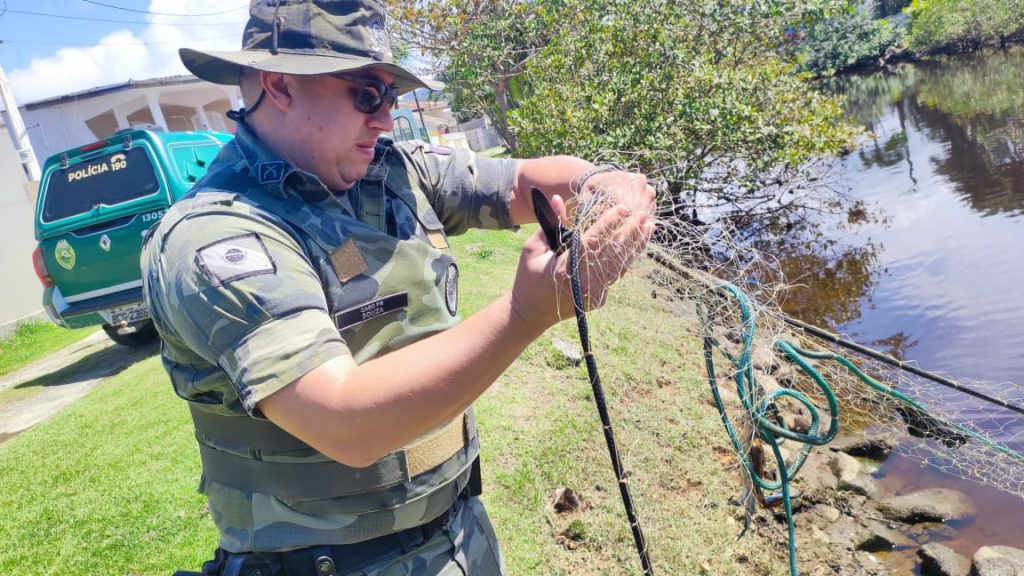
<point>337,140</point>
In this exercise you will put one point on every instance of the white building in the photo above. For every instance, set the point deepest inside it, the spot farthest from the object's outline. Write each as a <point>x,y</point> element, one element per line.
<point>20,291</point>
<point>173,104</point>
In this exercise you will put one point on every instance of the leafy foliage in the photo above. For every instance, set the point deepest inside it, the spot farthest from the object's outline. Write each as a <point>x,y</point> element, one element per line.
<point>698,93</point>
<point>479,47</point>
<point>849,39</point>
<point>962,25</point>
<point>702,98</point>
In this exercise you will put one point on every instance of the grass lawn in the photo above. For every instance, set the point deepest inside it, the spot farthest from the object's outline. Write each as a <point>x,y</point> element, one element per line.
<point>109,485</point>
<point>35,339</point>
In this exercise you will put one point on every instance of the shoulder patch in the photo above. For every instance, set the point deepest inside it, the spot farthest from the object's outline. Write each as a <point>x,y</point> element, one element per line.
<point>235,258</point>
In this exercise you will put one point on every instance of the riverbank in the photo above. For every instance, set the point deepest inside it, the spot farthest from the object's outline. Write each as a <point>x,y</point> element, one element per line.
<point>847,524</point>
<point>860,40</point>
<point>940,170</point>
<point>896,56</point>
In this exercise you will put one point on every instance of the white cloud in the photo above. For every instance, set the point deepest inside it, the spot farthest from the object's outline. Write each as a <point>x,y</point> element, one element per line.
<point>126,55</point>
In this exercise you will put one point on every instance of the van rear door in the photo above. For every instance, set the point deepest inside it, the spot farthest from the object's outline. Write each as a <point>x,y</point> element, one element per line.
<point>93,212</point>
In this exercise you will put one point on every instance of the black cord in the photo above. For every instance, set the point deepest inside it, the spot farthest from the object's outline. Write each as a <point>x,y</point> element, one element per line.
<point>241,113</point>
<point>559,239</point>
<point>602,408</point>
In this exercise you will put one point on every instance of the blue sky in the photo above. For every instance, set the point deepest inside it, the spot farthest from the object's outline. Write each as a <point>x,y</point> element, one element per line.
<point>45,56</point>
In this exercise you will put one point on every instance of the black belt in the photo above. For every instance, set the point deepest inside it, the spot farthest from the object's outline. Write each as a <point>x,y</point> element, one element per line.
<point>335,559</point>
<point>329,560</point>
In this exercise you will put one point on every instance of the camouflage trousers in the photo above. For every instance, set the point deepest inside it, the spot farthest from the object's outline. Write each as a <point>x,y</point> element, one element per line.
<point>464,545</point>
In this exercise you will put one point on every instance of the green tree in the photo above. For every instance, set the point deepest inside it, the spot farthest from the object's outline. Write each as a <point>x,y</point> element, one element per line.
<point>693,92</point>
<point>480,46</point>
<point>848,39</point>
<point>700,94</point>
<point>962,25</point>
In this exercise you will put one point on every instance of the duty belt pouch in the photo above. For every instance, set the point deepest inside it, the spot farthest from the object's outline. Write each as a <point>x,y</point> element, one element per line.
<point>475,487</point>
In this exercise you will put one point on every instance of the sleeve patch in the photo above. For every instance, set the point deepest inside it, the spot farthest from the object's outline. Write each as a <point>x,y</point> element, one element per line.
<point>235,258</point>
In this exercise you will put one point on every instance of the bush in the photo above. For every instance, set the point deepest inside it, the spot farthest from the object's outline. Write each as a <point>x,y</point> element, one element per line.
<point>962,25</point>
<point>703,99</point>
<point>847,40</point>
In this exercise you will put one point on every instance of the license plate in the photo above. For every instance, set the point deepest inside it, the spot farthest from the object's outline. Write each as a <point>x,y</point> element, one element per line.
<point>129,314</point>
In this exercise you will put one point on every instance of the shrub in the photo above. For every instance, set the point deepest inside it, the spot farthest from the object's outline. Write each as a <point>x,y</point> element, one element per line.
<point>961,25</point>
<point>848,40</point>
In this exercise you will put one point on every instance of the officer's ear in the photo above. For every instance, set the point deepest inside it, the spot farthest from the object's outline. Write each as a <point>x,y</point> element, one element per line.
<point>278,88</point>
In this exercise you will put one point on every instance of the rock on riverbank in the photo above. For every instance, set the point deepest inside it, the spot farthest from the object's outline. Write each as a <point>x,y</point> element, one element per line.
<point>843,522</point>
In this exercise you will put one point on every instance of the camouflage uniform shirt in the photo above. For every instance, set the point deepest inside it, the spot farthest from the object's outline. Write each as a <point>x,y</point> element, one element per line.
<point>261,274</point>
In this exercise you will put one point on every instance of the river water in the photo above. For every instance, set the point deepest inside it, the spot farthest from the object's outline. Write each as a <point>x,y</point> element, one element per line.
<point>928,261</point>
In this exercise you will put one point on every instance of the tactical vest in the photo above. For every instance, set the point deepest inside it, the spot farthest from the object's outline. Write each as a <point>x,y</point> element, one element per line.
<point>383,292</point>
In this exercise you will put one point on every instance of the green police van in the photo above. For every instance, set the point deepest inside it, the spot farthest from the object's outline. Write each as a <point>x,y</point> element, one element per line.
<point>95,204</point>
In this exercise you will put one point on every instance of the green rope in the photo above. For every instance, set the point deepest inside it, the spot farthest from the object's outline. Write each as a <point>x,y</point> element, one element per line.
<point>765,416</point>
<point>770,426</point>
<point>794,352</point>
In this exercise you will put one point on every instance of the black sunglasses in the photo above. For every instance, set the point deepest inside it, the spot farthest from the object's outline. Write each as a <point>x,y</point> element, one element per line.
<point>370,94</point>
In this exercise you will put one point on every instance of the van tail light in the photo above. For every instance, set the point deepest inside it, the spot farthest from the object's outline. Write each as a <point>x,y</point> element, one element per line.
<point>94,146</point>
<point>40,265</point>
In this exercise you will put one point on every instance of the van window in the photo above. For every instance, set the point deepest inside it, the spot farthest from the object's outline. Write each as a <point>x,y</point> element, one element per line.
<point>105,180</point>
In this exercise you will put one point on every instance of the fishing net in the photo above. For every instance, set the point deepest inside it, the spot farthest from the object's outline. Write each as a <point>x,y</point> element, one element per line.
<point>784,388</point>
<point>970,429</point>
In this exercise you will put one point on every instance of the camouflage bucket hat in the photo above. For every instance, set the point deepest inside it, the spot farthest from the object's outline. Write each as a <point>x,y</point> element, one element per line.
<point>307,37</point>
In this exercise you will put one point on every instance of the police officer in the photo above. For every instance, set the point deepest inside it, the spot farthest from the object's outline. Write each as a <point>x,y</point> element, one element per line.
<point>308,305</point>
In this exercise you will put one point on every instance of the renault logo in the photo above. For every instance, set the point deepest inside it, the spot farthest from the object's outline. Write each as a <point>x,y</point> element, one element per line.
<point>105,243</point>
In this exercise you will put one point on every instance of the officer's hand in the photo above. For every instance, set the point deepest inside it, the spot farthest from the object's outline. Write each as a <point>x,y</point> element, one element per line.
<point>617,220</point>
<point>627,188</point>
<point>617,226</point>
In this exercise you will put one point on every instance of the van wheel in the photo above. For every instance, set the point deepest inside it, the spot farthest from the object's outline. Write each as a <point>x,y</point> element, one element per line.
<point>145,333</point>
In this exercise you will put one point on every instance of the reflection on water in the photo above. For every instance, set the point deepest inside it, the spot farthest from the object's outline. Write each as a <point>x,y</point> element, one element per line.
<point>944,165</point>
<point>925,264</point>
<point>969,112</point>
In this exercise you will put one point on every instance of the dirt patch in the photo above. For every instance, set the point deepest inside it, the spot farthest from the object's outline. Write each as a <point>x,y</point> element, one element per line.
<point>38,391</point>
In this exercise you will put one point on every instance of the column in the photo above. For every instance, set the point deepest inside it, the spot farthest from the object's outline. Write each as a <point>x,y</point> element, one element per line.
<point>153,99</point>
<point>204,122</point>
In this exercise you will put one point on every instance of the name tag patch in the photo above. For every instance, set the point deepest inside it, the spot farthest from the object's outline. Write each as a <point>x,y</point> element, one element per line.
<point>375,308</point>
<point>235,258</point>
